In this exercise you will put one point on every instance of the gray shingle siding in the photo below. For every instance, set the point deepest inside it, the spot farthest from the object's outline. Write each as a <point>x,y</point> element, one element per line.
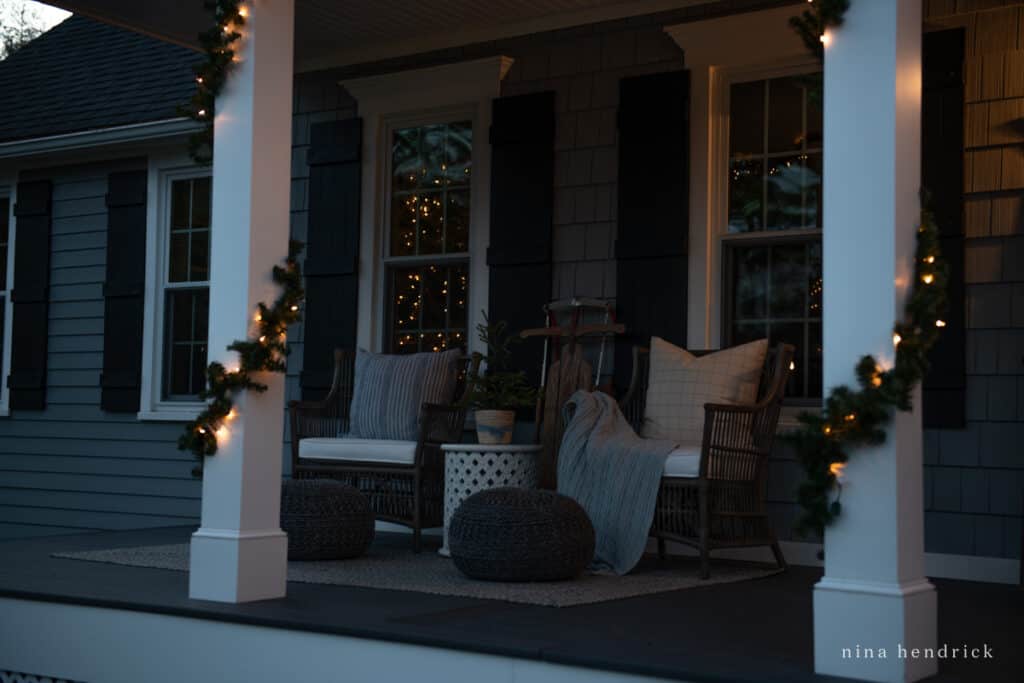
<point>72,466</point>
<point>975,476</point>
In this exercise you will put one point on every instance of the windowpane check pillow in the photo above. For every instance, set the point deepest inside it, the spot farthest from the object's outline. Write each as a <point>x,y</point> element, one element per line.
<point>681,383</point>
<point>389,390</point>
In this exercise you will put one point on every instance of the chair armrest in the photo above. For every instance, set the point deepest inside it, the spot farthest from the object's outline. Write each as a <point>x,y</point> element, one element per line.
<point>441,423</point>
<point>737,439</point>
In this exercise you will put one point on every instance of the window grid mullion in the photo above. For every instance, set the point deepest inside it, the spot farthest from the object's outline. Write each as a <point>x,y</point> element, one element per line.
<point>764,156</point>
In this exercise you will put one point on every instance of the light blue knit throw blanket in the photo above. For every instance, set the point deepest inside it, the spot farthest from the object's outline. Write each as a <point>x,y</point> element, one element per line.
<point>614,474</point>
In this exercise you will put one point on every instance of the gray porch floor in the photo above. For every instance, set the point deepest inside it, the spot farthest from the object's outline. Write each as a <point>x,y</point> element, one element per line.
<point>753,631</point>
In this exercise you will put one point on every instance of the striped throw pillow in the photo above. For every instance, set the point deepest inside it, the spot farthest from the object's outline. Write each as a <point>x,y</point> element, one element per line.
<point>389,390</point>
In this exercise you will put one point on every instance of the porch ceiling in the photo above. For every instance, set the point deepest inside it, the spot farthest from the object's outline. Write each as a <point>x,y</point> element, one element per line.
<point>339,32</point>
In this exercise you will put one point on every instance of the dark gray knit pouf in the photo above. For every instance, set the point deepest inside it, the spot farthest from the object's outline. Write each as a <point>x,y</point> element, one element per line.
<point>325,519</point>
<point>509,534</point>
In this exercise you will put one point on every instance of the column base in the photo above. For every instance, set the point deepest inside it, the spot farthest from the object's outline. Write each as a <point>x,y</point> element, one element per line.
<point>875,631</point>
<point>238,566</point>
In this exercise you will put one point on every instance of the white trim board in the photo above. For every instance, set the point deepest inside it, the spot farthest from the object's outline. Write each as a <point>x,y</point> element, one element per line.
<point>98,644</point>
<point>99,137</point>
<point>936,565</point>
<point>9,191</point>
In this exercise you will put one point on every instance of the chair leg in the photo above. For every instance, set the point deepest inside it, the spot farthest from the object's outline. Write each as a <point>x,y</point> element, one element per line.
<point>705,563</point>
<point>704,530</point>
<point>417,519</point>
<point>662,554</point>
<point>779,559</point>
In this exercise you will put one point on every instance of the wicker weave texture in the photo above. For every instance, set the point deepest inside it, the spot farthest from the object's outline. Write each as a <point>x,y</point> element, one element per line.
<point>725,505</point>
<point>412,495</point>
<point>509,534</point>
<point>325,519</point>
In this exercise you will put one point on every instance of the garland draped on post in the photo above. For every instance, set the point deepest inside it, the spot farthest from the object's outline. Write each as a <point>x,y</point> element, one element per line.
<point>813,22</point>
<point>853,418</point>
<point>218,43</point>
<point>265,351</point>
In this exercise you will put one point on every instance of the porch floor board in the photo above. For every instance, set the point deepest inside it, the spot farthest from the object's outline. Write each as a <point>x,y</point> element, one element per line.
<point>750,631</point>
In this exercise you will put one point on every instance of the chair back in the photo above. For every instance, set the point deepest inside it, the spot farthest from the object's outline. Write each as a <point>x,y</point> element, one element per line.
<point>339,398</point>
<point>772,386</point>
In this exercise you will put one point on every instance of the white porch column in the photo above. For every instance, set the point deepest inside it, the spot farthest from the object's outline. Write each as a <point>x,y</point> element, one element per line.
<point>874,593</point>
<point>240,553</point>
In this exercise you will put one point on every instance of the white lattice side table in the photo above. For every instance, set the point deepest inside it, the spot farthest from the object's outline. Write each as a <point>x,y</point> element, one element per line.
<point>472,467</point>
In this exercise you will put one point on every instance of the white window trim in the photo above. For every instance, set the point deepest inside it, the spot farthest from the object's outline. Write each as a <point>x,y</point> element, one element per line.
<point>771,49</point>
<point>463,90</point>
<point>8,190</point>
<point>390,125</point>
<point>162,170</point>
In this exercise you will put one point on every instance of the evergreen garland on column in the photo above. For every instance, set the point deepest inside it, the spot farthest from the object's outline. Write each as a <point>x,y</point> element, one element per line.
<point>857,417</point>
<point>218,43</point>
<point>264,351</point>
<point>267,349</point>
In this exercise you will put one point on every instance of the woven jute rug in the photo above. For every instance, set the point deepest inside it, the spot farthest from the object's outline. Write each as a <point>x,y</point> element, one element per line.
<point>401,569</point>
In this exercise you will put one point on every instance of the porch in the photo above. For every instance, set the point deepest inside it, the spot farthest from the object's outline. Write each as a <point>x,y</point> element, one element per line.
<point>591,214</point>
<point>748,631</point>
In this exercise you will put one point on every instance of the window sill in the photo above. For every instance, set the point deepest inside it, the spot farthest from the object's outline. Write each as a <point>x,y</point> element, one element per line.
<point>184,412</point>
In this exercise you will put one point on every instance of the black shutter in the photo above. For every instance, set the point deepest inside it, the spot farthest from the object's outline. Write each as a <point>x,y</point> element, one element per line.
<point>30,296</point>
<point>332,250</point>
<point>653,213</point>
<point>123,292</point>
<point>522,140</point>
<point>942,153</point>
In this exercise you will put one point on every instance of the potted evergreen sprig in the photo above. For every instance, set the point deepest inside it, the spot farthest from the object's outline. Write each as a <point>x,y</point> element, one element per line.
<point>495,393</point>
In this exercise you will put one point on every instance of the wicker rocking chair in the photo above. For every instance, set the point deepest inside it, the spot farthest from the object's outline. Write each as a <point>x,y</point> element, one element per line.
<point>723,506</point>
<point>406,493</point>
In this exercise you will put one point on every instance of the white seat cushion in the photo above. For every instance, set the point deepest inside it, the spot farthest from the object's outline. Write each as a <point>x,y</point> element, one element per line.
<point>684,461</point>
<point>359,450</point>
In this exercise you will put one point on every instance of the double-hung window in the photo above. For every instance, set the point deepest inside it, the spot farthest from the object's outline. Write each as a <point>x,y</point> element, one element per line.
<point>772,250</point>
<point>427,243</point>
<point>185,287</point>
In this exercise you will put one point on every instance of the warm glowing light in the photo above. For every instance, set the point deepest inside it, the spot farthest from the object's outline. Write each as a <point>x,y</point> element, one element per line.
<point>201,112</point>
<point>851,417</point>
<point>929,259</point>
<point>263,338</point>
<point>876,381</point>
<point>825,39</point>
<point>294,307</point>
<point>827,429</point>
<point>201,430</point>
<point>940,323</point>
<point>223,432</point>
<point>232,414</point>
<point>199,79</point>
<point>243,11</point>
<point>792,365</point>
<point>258,317</point>
<point>896,339</point>
<point>927,278</point>
<point>836,469</point>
